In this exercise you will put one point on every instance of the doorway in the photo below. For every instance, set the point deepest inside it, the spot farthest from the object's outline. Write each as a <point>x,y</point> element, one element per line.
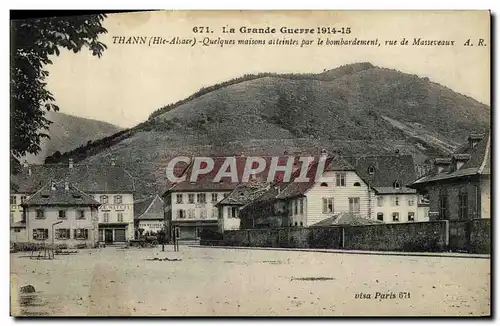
<point>108,236</point>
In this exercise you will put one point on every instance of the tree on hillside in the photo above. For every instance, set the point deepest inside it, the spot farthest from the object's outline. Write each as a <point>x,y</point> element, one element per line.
<point>32,44</point>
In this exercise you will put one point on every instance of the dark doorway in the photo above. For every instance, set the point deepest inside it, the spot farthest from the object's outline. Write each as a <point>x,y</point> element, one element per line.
<point>108,236</point>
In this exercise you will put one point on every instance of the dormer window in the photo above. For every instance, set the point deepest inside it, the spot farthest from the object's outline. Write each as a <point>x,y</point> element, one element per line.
<point>371,170</point>
<point>324,184</point>
<point>397,185</point>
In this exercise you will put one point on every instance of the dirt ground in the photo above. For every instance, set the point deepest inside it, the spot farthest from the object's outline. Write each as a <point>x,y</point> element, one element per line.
<point>235,282</point>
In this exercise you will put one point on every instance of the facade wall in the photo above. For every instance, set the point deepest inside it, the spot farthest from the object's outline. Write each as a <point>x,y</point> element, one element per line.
<point>51,215</point>
<point>340,197</point>
<point>195,210</point>
<point>112,209</point>
<point>226,219</point>
<point>151,225</point>
<point>16,210</point>
<point>403,204</point>
<point>452,190</point>
<point>485,186</point>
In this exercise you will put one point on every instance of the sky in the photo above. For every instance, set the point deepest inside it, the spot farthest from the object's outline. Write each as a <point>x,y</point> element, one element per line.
<point>130,81</point>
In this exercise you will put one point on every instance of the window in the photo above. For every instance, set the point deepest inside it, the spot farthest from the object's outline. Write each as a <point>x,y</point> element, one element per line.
<point>371,170</point>
<point>203,213</point>
<point>354,205</point>
<point>103,199</point>
<point>301,223</point>
<point>181,214</point>
<point>324,184</point>
<point>295,223</point>
<point>295,207</point>
<point>397,185</point>
<point>191,198</point>
<point>301,206</point>
<point>380,201</point>
<point>62,214</point>
<point>120,217</point>
<point>62,234</point>
<point>233,212</point>
<point>411,216</point>
<point>357,184</point>
<point>13,200</point>
<point>201,198</point>
<point>23,199</point>
<point>463,211</point>
<point>443,206</point>
<point>380,216</point>
<point>178,198</point>
<point>81,234</point>
<point>40,213</point>
<point>191,213</point>
<point>214,198</point>
<point>411,202</point>
<point>395,217</point>
<point>215,212</point>
<point>340,179</point>
<point>80,214</point>
<point>106,217</point>
<point>40,234</point>
<point>327,205</point>
<point>395,201</point>
<point>118,199</point>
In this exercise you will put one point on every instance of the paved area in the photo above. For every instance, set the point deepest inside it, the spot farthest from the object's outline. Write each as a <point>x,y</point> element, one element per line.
<point>206,281</point>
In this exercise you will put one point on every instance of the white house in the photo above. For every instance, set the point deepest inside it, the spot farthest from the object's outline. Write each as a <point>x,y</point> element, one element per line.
<point>110,185</point>
<point>60,213</point>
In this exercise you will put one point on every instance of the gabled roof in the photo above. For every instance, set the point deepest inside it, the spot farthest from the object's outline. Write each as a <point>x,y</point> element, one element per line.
<point>345,219</point>
<point>142,207</point>
<point>478,164</point>
<point>56,194</point>
<point>245,193</point>
<point>204,182</point>
<point>295,189</point>
<point>96,178</point>
<point>387,169</point>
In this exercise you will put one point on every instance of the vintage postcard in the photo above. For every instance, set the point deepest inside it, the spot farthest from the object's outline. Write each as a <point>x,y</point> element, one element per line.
<point>251,163</point>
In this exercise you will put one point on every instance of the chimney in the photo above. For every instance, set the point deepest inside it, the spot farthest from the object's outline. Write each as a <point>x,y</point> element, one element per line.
<point>397,152</point>
<point>442,163</point>
<point>459,160</point>
<point>66,185</point>
<point>70,164</point>
<point>474,139</point>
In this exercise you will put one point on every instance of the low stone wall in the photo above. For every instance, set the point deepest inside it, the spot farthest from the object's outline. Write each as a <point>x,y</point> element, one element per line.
<point>472,236</point>
<point>415,236</point>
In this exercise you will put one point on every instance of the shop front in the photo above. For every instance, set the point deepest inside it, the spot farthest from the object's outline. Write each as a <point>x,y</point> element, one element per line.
<point>110,233</point>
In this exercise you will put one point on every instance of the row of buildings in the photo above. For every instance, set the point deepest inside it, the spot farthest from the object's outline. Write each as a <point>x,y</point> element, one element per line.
<point>73,203</point>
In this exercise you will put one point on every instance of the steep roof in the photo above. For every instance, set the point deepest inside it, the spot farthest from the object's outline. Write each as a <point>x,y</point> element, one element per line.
<point>478,163</point>
<point>204,182</point>
<point>57,194</point>
<point>142,207</point>
<point>345,219</point>
<point>89,178</point>
<point>245,193</point>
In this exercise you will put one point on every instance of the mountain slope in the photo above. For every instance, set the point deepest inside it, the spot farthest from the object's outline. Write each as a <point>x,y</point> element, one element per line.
<point>355,109</point>
<point>68,132</point>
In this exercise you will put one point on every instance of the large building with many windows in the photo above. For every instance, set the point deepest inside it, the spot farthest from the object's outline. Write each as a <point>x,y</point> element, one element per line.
<point>110,185</point>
